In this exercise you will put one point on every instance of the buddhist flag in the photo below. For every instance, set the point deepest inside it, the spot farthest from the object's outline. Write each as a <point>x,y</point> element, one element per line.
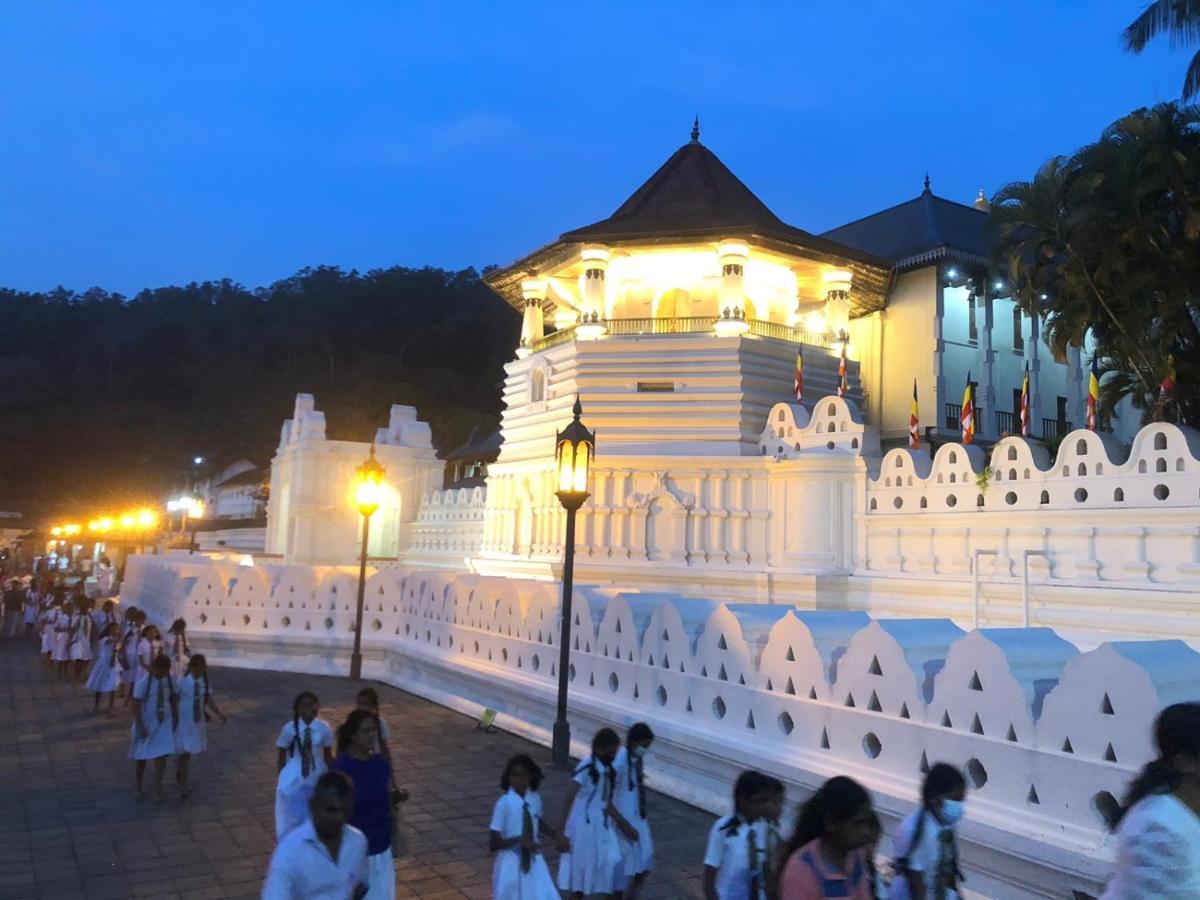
<point>1025,403</point>
<point>967,417</point>
<point>842,372</point>
<point>1168,383</point>
<point>798,384</point>
<point>1093,396</point>
<point>914,434</point>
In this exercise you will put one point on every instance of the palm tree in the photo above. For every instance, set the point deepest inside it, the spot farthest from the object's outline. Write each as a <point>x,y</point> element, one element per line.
<point>1180,21</point>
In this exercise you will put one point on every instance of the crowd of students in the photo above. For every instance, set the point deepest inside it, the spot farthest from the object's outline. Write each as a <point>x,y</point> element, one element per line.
<point>337,794</point>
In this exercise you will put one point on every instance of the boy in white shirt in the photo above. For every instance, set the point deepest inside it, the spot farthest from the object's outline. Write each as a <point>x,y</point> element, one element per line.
<point>735,859</point>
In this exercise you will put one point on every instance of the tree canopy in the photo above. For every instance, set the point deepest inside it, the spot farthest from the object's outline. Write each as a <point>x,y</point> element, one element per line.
<point>1106,243</point>
<point>106,399</point>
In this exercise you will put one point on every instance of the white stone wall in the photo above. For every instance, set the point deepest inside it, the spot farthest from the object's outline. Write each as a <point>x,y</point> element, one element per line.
<point>1049,737</point>
<point>448,531</point>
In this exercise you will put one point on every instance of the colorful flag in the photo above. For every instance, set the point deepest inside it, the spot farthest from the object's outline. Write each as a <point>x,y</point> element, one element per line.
<point>1025,403</point>
<point>1168,383</point>
<point>967,416</point>
<point>914,434</point>
<point>798,384</point>
<point>842,371</point>
<point>1093,396</point>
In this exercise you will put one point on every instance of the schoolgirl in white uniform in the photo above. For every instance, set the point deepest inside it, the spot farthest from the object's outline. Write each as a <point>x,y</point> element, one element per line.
<point>79,645</point>
<point>191,737</point>
<point>305,753</point>
<point>629,796</point>
<point>516,829</point>
<point>735,858</point>
<point>180,651</point>
<point>31,608</point>
<point>154,715</point>
<point>106,668</point>
<point>592,822</point>
<point>49,619</point>
<point>130,639</point>
<point>64,626</point>
<point>150,647</point>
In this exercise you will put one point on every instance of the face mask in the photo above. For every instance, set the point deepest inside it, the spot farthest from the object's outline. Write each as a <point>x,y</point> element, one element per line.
<point>952,811</point>
<point>639,753</point>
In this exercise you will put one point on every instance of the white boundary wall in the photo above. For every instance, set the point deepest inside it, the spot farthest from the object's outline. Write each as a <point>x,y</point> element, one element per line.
<point>1048,736</point>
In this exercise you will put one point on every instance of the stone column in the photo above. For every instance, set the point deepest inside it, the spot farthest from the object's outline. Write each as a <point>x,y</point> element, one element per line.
<point>533,291</point>
<point>986,402</point>
<point>837,301</point>
<point>1075,410</point>
<point>939,354</point>
<point>592,295</point>
<point>731,299</point>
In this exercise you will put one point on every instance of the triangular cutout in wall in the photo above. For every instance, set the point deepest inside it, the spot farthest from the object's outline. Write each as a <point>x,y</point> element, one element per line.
<point>904,711</point>
<point>824,738</point>
<point>976,684</point>
<point>1032,796</point>
<point>873,704</point>
<point>976,725</point>
<point>874,667</point>
<point>1110,755</point>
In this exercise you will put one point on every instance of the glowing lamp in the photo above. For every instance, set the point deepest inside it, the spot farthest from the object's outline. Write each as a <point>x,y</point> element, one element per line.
<point>146,518</point>
<point>574,448</point>
<point>72,530</point>
<point>56,531</point>
<point>128,520</point>
<point>731,323</point>
<point>814,322</point>
<point>368,485</point>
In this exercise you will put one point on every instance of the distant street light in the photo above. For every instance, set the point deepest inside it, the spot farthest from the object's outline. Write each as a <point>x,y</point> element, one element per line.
<point>574,448</point>
<point>368,494</point>
<point>194,513</point>
<point>198,460</point>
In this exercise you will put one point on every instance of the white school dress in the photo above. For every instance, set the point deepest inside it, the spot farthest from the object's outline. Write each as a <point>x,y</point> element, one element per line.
<point>591,865</point>
<point>512,816</point>
<point>191,736</point>
<point>106,669</point>
<point>79,645</point>
<point>159,737</point>
<point>129,649</point>
<point>1158,852</point>
<point>64,624</point>
<point>629,797</point>
<point>180,654</point>
<point>147,652</point>
<point>49,620</point>
<point>305,744</point>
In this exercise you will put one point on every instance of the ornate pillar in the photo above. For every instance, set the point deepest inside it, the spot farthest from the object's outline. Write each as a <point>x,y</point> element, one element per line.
<point>939,354</point>
<point>591,316</point>
<point>533,290</point>
<point>731,299</point>
<point>837,301</point>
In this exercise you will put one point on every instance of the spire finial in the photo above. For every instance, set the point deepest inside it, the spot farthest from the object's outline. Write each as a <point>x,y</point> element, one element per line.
<point>696,130</point>
<point>926,182</point>
<point>577,409</point>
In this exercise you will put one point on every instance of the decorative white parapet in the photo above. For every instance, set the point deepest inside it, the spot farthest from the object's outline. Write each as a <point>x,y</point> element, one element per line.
<point>1049,737</point>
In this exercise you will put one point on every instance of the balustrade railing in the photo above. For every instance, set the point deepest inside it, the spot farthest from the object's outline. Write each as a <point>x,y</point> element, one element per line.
<point>1053,429</point>
<point>691,325</point>
<point>953,416</point>
<point>1007,422</point>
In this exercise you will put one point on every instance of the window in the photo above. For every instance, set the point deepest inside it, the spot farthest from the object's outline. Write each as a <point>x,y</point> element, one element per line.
<point>1061,410</point>
<point>972,325</point>
<point>537,386</point>
<point>1016,407</point>
<point>1018,334</point>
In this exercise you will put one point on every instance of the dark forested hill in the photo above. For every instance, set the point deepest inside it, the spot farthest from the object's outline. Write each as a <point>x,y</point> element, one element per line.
<point>106,399</point>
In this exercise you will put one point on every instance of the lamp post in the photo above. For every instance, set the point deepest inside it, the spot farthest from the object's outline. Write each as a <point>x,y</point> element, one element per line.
<point>193,513</point>
<point>368,491</point>
<point>574,448</point>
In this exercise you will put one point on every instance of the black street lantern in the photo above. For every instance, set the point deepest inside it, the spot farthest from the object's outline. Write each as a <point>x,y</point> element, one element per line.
<point>368,495</point>
<point>574,448</point>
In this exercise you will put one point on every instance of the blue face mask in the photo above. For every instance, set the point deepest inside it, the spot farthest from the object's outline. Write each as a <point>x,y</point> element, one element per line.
<point>952,811</point>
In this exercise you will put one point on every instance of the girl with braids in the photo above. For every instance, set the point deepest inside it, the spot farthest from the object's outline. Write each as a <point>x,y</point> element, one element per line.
<point>79,645</point>
<point>131,641</point>
<point>49,621</point>
<point>106,667</point>
<point>154,719</point>
<point>515,833</point>
<point>927,844</point>
<point>827,855</point>
<point>1158,829</point>
<point>305,753</point>
<point>592,823</point>
<point>149,648</point>
<point>629,796</point>
<point>179,649</point>
<point>734,860</point>
<point>372,814</point>
<point>194,702</point>
<point>64,625</point>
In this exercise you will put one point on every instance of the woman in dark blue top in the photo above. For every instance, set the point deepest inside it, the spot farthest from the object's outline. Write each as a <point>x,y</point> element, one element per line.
<point>372,776</point>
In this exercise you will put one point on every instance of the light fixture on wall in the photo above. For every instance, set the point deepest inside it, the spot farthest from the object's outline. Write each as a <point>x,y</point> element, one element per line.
<point>575,447</point>
<point>368,494</point>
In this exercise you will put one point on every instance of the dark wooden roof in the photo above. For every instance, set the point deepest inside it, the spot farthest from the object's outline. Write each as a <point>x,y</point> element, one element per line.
<point>694,196</point>
<point>918,232</point>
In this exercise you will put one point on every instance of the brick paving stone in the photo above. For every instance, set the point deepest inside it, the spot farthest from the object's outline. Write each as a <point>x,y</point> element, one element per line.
<point>70,825</point>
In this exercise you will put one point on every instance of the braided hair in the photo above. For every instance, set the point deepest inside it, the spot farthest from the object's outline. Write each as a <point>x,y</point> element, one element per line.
<point>199,701</point>
<point>300,698</point>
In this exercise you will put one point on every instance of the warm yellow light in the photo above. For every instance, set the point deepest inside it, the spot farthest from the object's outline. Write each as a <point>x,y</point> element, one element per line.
<point>368,485</point>
<point>128,520</point>
<point>729,326</point>
<point>814,323</point>
<point>70,530</point>
<point>732,248</point>
<point>56,531</point>
<point>146,518</point>
<point>106,523</point>
<point>573,463</point>
<point>591,254</point>
<point>197,509</point>
<point>94,525</point>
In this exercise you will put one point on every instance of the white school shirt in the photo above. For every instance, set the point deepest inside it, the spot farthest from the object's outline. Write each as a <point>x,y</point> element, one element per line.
<point>301,866</point>
<point>923,857</point>
<point>508,816</point>
<point>1158,852</point>
<point>729,852</point>
<point>322,736</point>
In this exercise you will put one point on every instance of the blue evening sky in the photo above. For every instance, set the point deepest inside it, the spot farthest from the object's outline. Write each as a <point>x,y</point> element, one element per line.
<point>163,142</point>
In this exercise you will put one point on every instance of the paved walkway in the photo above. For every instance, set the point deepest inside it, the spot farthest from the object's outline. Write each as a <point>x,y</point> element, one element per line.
<point>70,825</point>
